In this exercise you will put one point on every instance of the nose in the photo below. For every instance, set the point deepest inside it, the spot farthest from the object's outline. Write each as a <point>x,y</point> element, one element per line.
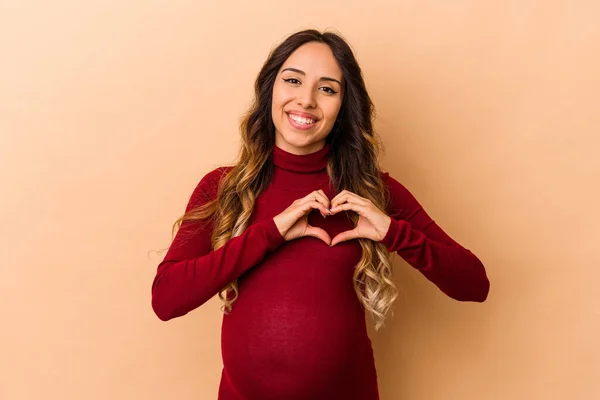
<point>306,98</point>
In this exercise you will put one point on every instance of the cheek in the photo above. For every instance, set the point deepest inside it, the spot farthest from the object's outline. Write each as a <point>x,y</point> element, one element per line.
<point>331,111</point>
<point>280,97</point>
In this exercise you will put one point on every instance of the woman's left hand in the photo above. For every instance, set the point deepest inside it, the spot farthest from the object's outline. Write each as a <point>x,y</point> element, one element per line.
<point>372,222</point>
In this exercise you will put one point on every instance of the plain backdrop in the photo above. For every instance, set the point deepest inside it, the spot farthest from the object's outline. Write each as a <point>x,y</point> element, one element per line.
<point>111,112</point>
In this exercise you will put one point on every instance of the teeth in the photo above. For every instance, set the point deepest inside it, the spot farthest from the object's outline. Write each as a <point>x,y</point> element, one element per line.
<point>301,120</point>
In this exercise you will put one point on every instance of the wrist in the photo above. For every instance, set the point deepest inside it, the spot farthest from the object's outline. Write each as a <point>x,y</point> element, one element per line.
<point>386,228</point>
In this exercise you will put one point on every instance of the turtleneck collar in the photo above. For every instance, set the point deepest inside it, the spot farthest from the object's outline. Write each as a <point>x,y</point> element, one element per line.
<point>300,172</point>
<point>304,164</point>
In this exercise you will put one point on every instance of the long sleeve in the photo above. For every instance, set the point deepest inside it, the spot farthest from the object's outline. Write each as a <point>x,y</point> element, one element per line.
<point>192,273</point>
<point>414,236</point>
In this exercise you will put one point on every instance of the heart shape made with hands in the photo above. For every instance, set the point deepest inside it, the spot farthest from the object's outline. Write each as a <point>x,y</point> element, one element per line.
<point>372,223</point>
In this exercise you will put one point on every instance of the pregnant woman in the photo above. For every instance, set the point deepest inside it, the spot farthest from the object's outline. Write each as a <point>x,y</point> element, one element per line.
<point>296,237</point>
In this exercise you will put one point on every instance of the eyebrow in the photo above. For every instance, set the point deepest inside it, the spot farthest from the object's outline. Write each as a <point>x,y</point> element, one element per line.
<point>323,78</point>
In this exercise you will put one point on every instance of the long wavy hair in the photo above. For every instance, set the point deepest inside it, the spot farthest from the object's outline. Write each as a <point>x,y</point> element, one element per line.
<point>353,165</point>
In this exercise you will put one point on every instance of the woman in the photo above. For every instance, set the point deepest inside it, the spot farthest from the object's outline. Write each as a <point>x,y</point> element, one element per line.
<point>295,284</point>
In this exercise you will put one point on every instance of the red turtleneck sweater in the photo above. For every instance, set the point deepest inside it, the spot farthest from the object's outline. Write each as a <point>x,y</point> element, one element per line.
<point>297,330</point>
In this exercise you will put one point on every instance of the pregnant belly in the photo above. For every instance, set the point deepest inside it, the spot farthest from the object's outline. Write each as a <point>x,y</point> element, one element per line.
<point>296,328</point>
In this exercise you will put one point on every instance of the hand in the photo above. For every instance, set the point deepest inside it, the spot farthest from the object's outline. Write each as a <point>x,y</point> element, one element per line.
<point>372,222</point>
<point>293,221</point>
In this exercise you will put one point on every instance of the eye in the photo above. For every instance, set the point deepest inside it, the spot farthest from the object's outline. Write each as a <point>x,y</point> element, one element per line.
<point>293,81</point>
<point>328,90</point>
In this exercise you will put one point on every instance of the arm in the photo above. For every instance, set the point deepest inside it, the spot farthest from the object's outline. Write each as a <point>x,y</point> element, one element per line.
<point>192,273</point>
<point>423,244</point>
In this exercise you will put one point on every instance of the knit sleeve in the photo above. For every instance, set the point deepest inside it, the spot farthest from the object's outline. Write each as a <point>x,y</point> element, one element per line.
<point>414,236</point>
<point>191,272</point>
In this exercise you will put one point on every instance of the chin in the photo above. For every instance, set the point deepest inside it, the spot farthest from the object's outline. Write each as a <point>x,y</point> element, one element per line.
<point>299,141</point>
<point>300,144</point>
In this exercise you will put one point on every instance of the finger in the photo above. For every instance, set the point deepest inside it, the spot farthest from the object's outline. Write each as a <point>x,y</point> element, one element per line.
<point>358,208</point>
<point>310,205</point>
<point>322,198</point>
<point>340,194</point>
<point>349,197</point>
<point>328,205</point>
<point>325,201</point>
<point>308,201</point>
<point>316,196</point>
<point>318,233</point>
<point>347,193</point>
<point>344,236</point>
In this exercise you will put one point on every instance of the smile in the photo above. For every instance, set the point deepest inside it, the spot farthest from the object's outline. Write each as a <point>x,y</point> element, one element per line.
<point>299,122</point>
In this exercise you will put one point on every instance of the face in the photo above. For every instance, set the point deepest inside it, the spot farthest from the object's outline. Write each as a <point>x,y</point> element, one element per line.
<point>307,96</point>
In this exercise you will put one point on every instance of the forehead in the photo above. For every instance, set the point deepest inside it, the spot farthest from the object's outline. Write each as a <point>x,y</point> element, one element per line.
<point>314,59</point>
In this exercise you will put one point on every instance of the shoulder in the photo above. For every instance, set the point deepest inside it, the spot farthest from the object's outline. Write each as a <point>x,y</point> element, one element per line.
<point>402,203</point>
<point>214,177</point>
<point>208,187</point>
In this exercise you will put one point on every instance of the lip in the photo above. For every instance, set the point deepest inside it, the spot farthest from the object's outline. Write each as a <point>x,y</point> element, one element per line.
<point>303,115</point>
<point>299,126</point>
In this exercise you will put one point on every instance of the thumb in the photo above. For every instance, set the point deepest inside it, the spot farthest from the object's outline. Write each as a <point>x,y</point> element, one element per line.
<point>318,233</point>
<point>344,236</point>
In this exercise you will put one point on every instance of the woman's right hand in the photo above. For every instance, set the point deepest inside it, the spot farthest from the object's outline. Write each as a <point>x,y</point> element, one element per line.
<point>293,221</point>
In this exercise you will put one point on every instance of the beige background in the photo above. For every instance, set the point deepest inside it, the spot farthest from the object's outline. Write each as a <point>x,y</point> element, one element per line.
<point>111,111</point>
